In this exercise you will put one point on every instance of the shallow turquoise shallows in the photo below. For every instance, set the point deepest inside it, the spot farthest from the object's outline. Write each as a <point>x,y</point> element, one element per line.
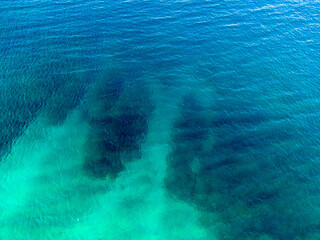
<point>159,120</point>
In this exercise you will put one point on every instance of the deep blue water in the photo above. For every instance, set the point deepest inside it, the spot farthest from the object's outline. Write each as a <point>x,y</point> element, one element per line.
<point>223,95</point>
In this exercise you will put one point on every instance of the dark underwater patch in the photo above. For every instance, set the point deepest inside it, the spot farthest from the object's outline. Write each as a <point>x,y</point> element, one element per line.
<point>103,156</point>
<point>17,111</point>
<point>129,127</point>
<point>252,177</point>
<point>118,110</point>
<point>48,88</point>
<point>189,133</point>
<point>20,103</point>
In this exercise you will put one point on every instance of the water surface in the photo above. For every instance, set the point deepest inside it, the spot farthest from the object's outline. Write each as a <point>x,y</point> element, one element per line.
<point>159,120</point>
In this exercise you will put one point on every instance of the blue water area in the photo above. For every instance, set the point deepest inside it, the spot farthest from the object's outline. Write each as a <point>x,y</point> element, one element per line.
<point>159,120</point>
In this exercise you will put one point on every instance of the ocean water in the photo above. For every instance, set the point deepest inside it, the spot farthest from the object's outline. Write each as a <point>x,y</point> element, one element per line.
<point>167,120</point>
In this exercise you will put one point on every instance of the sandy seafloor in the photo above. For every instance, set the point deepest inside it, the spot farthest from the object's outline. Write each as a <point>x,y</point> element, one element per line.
<point>187,120</point>
<point>45,193</point>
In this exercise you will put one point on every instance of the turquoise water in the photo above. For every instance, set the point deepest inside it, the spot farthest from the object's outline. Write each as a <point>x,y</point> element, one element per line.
<point>188,120</point>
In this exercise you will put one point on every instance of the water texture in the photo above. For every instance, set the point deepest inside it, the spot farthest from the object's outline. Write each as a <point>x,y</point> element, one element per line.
<point>184,120</point>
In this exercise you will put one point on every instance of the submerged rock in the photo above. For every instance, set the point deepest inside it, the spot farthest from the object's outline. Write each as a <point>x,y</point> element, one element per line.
<point>118,111</point>
<point>252,177</point>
